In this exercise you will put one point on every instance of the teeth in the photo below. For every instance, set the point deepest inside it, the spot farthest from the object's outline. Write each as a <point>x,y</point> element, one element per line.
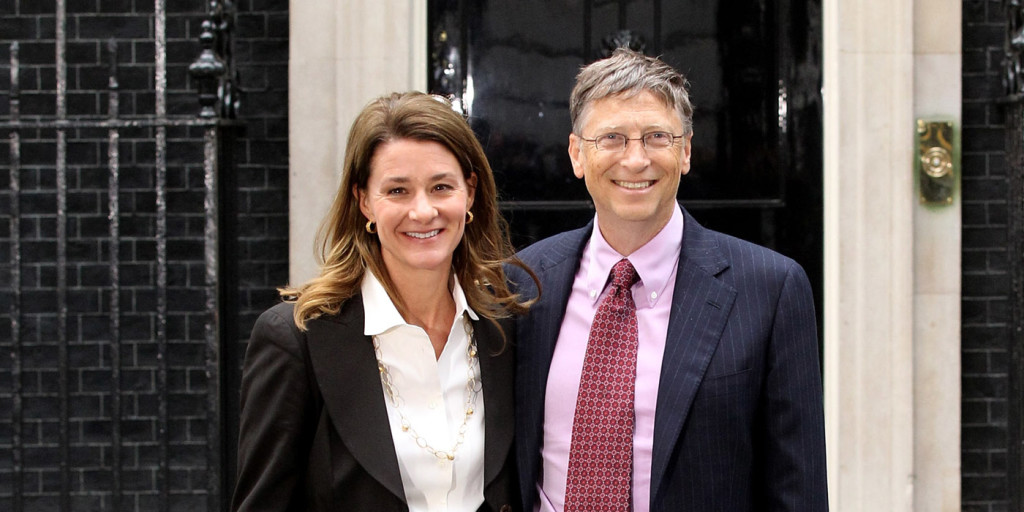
<point>428,234</point>
<point>633,184</point>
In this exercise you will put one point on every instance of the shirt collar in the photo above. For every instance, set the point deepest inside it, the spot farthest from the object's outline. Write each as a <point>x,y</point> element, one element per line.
<point>381,315</point>
<point>654,261</point>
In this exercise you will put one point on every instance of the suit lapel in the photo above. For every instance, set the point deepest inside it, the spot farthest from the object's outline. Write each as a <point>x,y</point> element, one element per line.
<point>496,368</point>
<point>346,371</point>
<point>556,271</point>
<point>536,335</point>
<point>701,306</point>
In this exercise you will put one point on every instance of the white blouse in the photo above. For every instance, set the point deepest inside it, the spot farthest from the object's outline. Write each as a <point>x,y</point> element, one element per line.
<point>432,395</point>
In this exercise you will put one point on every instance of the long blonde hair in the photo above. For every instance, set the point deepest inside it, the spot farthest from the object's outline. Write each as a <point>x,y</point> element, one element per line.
<point>346,250</point>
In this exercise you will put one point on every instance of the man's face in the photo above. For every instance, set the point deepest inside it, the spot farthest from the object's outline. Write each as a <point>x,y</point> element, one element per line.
<point>634,190</point>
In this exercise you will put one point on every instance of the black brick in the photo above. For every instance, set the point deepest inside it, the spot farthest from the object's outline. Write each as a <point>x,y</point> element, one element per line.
<point>990,188</point>
<point>985,237</point>
<point>984,139</point>
<point>985,337</point>
<point>993,386</point>
<point>984,437</point>
<point>19,28</point>
<point>280,6</point>
<point>983,487</point>
<point>41,503</point>
<point>997,264</point>
<point>997,214</point>
<point>974,362</point>
<point>974,114</point>
<point>120,27</point>
<point>983,34</point>
<point>985,285</point>
<point>974,412</point>
<point>36,52</point>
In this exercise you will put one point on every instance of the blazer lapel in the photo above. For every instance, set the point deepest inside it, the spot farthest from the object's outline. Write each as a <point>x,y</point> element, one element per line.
<point>496,369</point>
<point>701,306</point>
<point>346,371</point>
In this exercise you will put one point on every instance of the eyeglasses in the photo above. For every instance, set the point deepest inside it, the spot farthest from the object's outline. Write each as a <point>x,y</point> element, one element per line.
<point>617,142</point>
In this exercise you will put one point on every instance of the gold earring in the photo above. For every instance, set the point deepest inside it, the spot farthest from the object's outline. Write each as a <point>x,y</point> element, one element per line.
<point>469,217</point>
<point>370,227</point>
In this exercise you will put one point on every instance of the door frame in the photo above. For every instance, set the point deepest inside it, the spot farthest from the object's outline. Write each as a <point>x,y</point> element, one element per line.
<point>892,266</point>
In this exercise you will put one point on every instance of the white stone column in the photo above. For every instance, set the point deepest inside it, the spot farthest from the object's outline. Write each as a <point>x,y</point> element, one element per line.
<point>892,266</point>
<point>869,203</point>
<point>342,55</point>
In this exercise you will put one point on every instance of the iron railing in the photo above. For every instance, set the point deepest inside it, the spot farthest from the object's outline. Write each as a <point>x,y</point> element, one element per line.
<point>214,77</point>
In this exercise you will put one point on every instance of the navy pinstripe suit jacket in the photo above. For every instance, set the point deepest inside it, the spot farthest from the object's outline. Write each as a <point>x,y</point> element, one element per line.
<point>739,422</point>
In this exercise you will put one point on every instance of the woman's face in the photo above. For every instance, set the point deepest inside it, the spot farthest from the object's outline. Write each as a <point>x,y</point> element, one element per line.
<point>417,196</point>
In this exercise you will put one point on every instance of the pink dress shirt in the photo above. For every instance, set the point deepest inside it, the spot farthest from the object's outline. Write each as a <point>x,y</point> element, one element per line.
<point>656,263</point>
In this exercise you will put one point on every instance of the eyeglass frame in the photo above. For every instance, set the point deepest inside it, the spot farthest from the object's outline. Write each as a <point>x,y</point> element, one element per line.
<point>625,144</point>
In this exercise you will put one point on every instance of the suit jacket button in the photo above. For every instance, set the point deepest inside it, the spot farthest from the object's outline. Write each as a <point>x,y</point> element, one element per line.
<point>505,508</point>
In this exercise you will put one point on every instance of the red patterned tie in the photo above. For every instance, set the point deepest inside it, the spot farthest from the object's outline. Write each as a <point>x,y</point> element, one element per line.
<point>601,454</point>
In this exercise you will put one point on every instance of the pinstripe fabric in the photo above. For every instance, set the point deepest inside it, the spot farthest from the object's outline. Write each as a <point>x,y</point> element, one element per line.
<point>739,422</point>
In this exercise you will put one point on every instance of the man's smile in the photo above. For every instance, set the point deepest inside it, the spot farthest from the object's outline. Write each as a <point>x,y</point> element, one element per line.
<point>634,185</point>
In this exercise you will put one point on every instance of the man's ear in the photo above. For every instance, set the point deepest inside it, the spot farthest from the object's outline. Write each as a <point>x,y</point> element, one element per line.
<point>684,160</point>
<point>576,154</point>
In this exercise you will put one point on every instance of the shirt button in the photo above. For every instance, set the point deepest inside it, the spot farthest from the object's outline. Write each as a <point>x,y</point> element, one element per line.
<point>654,295</point>
<point>593,293</point>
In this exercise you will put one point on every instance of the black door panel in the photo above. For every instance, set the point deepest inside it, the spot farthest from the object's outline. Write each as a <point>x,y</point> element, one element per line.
<point>755,80</point>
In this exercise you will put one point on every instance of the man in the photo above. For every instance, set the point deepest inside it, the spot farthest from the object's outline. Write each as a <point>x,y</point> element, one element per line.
<point>666,367</point>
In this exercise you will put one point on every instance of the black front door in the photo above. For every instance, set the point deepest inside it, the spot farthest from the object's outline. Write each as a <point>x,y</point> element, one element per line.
<point>755,79</point>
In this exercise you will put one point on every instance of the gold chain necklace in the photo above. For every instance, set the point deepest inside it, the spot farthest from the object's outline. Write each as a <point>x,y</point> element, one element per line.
<point>471,392</point>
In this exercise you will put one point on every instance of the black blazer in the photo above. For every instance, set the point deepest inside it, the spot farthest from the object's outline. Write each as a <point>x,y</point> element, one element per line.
<point>314,433</point>
<point>739,422</point>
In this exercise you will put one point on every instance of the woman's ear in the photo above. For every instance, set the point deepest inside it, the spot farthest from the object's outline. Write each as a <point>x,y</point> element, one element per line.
<point>470,190</point>
<point>361,197</point>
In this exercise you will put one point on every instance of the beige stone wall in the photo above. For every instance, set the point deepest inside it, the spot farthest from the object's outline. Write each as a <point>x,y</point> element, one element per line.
<point>343,54</point>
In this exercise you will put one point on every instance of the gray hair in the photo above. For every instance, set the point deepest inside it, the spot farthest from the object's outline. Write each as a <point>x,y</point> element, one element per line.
<point>630,73</point>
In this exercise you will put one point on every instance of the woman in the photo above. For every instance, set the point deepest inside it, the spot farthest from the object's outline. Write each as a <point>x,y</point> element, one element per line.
<point>386,382</point>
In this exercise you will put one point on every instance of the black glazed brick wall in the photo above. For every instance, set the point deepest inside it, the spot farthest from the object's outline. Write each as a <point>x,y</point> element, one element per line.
<point>253,263</point>
<point>260,249</point>
<point>985,277</point>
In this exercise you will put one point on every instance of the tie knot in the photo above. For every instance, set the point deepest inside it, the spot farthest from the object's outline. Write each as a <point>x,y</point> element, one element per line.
<point>624,276</point>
